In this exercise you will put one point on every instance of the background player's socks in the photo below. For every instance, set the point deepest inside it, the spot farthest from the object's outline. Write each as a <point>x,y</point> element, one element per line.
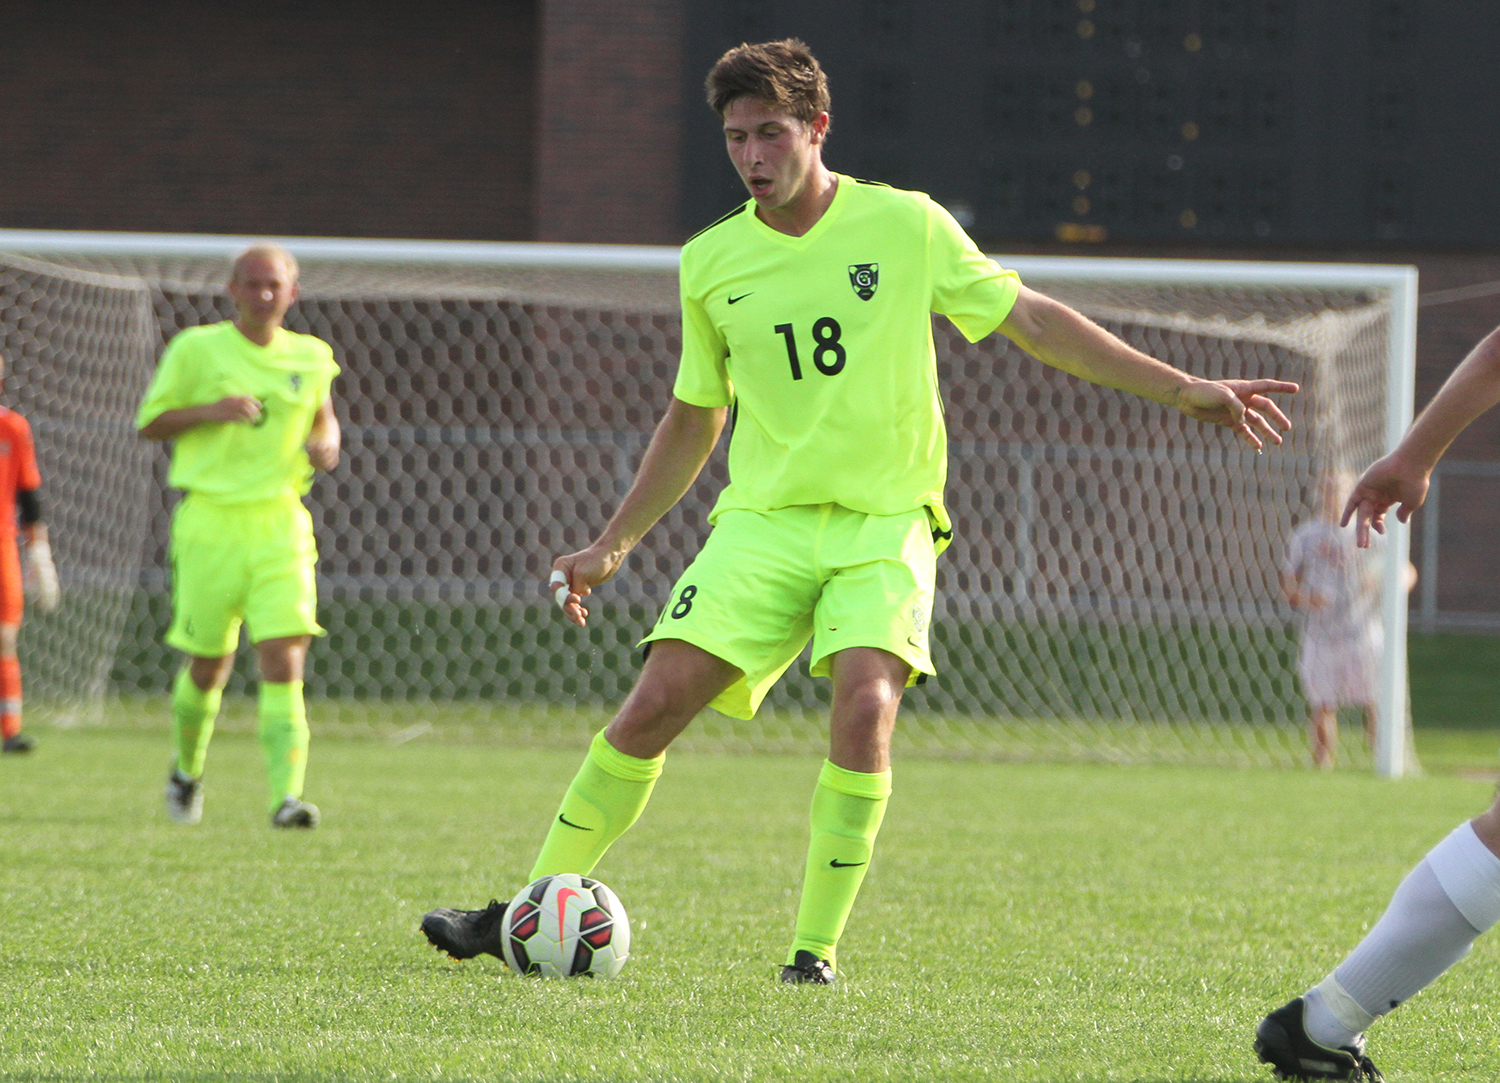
<point>283,738</point>
<point>847,808</point>
<point>193,714</point>
<point>1451,897</point>
<point>606,797</point>
<point>10,697</point>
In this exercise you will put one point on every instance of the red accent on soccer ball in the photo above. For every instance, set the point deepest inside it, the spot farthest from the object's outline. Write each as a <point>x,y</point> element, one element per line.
<point>589,918</point>
<point>599,938</point>
<point>583,958</point>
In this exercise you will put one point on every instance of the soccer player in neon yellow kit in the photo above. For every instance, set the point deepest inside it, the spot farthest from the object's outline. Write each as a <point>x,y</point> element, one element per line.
<point>806,312</point>
<point>249,408</point>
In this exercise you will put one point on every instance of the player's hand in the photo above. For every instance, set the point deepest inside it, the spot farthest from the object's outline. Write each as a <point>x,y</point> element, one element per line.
<point>1240,405</point>
<point>574,577</point>
<point>234,408</point>
<point>323,453</point>
<point>43,576</point>
<point>1388,482</point>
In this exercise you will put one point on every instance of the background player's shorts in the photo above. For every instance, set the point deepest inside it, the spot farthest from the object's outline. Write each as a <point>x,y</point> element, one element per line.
<point>1340,670</point>
<point>12,596</point>
<point>250,563</point>
<point>767,582</point>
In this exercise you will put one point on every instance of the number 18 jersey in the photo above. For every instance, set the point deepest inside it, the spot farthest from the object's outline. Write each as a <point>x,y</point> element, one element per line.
<point>822,344</point>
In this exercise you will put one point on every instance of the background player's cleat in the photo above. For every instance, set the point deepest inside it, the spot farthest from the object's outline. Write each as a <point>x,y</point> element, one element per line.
<point>1281,1041</point>
<point>464,934</point>
<point>807,969</point>
<point>295,813</point>
<point>184,797</point>
<point>21,742</point>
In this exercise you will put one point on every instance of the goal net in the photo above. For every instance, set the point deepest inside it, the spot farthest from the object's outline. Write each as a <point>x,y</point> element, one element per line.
<point>1112,591</point>
<point>80,348</point>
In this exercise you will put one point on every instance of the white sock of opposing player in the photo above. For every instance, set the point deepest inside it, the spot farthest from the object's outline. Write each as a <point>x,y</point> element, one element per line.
<point>1451,897</point>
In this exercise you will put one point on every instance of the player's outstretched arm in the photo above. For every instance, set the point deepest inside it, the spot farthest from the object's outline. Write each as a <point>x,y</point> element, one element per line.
<point>683,440</point>
<point>172,423</point>
<point>1401,478</point>
<point>325,438</point>
<point>1062,337</point>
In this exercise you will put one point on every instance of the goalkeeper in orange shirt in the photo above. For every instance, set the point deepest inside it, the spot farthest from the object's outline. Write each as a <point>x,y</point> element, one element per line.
<point>19,485</point>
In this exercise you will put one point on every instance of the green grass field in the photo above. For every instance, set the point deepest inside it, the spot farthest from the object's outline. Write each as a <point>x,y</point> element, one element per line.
<point>1076,922</point>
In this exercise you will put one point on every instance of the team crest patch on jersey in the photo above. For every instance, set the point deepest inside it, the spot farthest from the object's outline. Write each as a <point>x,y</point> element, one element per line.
<point>865,278</point>
<point>296,382</point>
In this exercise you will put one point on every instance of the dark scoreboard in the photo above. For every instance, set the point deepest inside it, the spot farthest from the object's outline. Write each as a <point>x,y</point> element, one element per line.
<point>1245,122</point>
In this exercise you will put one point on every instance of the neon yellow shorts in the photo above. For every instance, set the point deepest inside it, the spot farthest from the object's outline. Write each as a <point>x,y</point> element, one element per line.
<point>233,564</point>
<point>767,582</point>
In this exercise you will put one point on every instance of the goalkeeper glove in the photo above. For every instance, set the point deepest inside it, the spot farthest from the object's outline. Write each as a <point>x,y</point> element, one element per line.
<point>43,576</point>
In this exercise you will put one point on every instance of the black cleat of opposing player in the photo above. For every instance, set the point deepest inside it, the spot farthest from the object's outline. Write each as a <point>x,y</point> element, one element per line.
<point>1281,1041</point>
<point>464,934</point>
<point>21,742</point>
<point>807,969</point>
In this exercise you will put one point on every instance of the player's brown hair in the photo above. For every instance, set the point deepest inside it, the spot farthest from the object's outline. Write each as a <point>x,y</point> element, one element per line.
<point>782,73</point>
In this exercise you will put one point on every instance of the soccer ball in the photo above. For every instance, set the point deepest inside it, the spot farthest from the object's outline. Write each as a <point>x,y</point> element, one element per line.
<point>565,925</point>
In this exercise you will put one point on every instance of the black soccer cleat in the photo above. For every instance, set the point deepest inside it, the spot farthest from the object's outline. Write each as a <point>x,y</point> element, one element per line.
<point>21,742</point>
<point>184,797</point>
<point>296,813</point>
<point>807,969</point>
<point>1281,1041</point>
<point>464,934</point>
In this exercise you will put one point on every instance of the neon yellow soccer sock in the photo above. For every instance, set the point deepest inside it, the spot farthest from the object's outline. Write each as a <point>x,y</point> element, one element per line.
<point>283,738</point>
<point>847,808</point>
<point>193,714</point>
<point>606,797</point>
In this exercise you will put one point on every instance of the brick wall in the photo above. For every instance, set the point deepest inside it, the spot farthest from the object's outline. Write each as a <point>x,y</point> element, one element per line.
<point>372,119</point>
<point>609,122</point>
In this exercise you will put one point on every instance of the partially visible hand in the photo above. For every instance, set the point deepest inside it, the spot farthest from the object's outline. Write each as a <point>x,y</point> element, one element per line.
<point>584,570</point>
<point>234,408</point>
<point>43,576</point>
<point>1388,482</point>
<point>1240,405</point>
<point>323,452</point>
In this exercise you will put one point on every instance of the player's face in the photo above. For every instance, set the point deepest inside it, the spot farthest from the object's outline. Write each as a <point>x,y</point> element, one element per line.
<point>774,152</point>
<point>263,289</point>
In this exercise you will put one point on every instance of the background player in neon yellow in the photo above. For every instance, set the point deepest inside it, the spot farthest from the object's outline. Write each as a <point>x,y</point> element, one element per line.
<point>807,313</point>
<point>247,404</point>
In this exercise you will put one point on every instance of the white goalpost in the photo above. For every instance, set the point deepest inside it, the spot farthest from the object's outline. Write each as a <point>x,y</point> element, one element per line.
<point>1111,593</point>
<point>1393,754</point>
